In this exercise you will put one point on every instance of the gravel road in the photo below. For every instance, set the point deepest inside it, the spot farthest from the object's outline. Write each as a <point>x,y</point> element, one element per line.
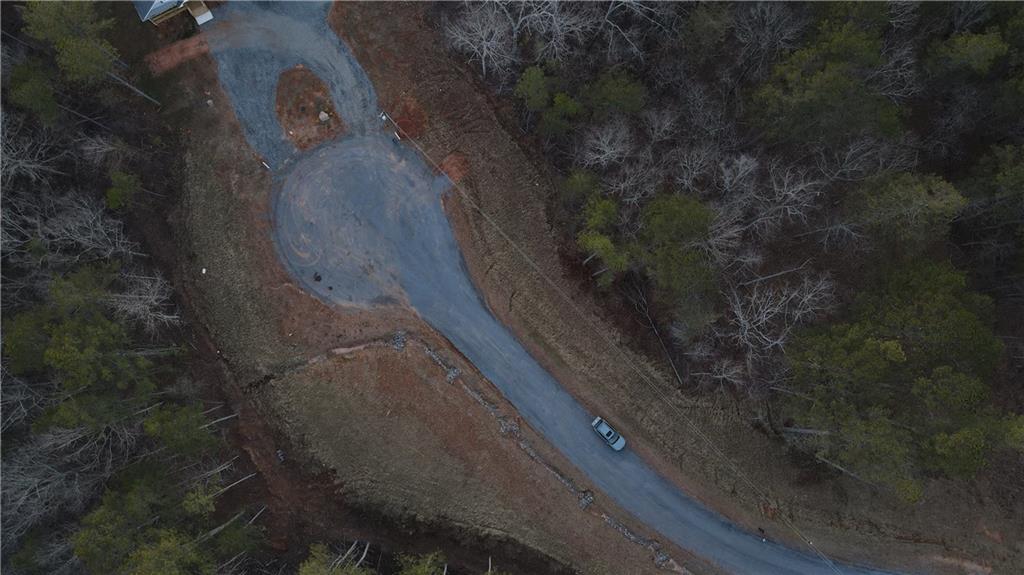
<point>359,221</point>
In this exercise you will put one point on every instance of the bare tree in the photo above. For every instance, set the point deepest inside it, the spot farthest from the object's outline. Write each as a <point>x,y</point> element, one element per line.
<point>630,221</point>
<point>765,30</point>
<point>562,26</point>
<point>661,123</point>
<point>737,175</point>
<point>724,236</point>
<point>53,553</point>
<point>635,181</point>
<point>21,400</point>
<point>702,349</point>
<point>866,157</point>
<point>695,168</point>
<point>78,229</point>
<point>57,553</point>
<point>484,31</point>
<point>607,144</point>
<point>42,234</point>
<point>58,472</point>
<point>960,112</point>
<point>789,197</point>
<point>762,318</point>
<point>19,222</point>
<point>724,374</point>
<point>706,114</point>
<point>106,151</point>
<point>24,287</point>
<point>748,260</point>
<point>21,217</point>
<point>903,15</point>
<point>813,296</point>
<point>26,153</point>
<point>756,319</point>
<point>144,299</point>
<point>967,15</point>
<point>837,234</point>
<point>8,57</point>
<point>626,23</point>
<point>897,79</point>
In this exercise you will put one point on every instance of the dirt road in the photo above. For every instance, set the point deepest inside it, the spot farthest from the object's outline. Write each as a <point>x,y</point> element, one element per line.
<point>360,222</point>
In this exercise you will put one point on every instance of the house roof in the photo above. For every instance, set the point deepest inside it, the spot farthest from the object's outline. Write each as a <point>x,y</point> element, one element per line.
<point>150,9</point>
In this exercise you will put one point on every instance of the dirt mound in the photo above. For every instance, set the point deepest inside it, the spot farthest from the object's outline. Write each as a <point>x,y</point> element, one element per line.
<point>305,109</point>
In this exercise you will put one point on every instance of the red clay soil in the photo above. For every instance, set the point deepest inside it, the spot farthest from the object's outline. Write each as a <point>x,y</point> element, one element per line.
<point>455,166</point>
<point>410,116</point>
<point>301,97</point>
<point>173,55</point>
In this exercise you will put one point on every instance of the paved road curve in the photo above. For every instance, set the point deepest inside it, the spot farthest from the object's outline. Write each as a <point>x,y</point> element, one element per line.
<point>364,212</point>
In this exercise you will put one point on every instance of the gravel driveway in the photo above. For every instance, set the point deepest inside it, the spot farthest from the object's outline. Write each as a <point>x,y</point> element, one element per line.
<point>359,221</point>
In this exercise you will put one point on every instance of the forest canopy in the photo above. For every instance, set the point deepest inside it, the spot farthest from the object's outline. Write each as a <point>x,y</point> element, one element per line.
<point>825,202</point>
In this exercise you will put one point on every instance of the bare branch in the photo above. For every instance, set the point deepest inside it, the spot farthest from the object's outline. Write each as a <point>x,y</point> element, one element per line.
<point>724,236</point>
<point>661,123</point>
<point>58,472</point>
<point>903,15</point>
<point>866,157</point>
<point>790,197</point>
<point>737,175</point>
<point>967,15</point>
<point>30,154</point>
<point>561,26</point>
<point>766,30</point>
<point>106,151</point>
<point>144,299</point>
<point>485,33</point>
<point>762,318</point>
<point>694,169</point>
<point>897,79</point>
<point>607,144</point>
<point>80,230</point>
<point>21,400</point>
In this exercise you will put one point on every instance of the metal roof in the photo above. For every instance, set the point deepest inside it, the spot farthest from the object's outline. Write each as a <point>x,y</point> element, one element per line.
<point>151,9</point>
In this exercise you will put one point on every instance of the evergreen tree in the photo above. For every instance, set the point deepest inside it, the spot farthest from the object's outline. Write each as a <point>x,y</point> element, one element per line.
<point>428,564</point>
<point>820,94</point>
<point>906,211</point>
<point>614,91</point>
<point>899,390</point>
<point>532,87</point>
<point>557,119</point>
<point>76,32</point>
<point>31,88</point>
<point>674,226</point>
<point>973,53</point>
<point>320,560</point>
<point>123,187</point>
